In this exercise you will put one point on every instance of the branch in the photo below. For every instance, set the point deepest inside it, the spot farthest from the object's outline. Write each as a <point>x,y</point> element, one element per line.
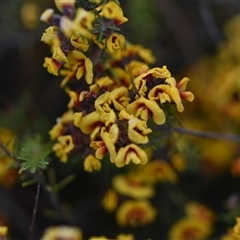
<point>52,198</point>
<point>211,135</point>
<point>34,214</point>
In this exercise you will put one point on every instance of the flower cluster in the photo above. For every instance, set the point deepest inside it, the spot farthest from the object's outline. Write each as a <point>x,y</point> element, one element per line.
<point>115,98</point>
<point>198,224</point>
<point>66,232</point>
<point>129,195</point>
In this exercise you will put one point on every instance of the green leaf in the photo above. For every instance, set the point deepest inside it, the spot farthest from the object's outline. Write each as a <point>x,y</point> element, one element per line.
<point>34,154</point>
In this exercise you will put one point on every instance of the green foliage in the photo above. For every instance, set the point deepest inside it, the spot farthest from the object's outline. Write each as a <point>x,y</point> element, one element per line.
<point>34,154</point>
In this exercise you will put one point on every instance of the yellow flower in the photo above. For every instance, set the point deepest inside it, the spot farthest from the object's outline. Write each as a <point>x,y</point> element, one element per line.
<point>77,66</point>
<point>146,55</point>
<point>60,4</point>
<point>3,232</point>
<point>135,213</point>
<point>103,83</point>
<point>115,42</point>
<point>130,153</point>
<point>91,164</point>
<point>49,35</point>
<point>121,77</point>
<point>157,73</point>
<point>58,53</point>
<point>162,87</point>
<point>138,50</point>
<point>132,186</point>
<point>158,170</point>
<point>63,147</point>
<point>103,102</point>
<point>93,122</point>
<point>110,200</point>
<point>233,234</point>
<point>80,43</point>
<point>58,128</point>
<point>66,26</point>
<point>201,212</point>
<point>140,85</point>
<point>52,65</point>
<point>189,229</point>
<point>83,22</point>
<point>109,138</point>
<point>62,232</point>
<point>101,44</point>
<point>236,228</point>
<point>73,97</point>
<point>98,238</point>
<point>120,98</point>
<point>47,15</point>
<point>7,137</point>
<point>166,93</point>
<point>178,162</point>
<point>29,14</point>
<point>113,12</point>
<point>100,147</point>
<point>89,124</point>
<point>136,68</point>
<point>123,236</point>
<point>137,129</point>
<point>147,108</point>
<point>181,86</point>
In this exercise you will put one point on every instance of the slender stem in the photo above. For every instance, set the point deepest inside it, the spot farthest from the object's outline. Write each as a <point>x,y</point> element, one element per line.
<point>209,22</point>
<point>7,152</point>
<point>52,198</point>
<point>204,134</point>
<point>34,214</point>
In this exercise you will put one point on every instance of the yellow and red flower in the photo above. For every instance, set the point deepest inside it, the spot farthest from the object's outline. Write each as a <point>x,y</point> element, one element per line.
<point>135,213</point>
<point>62,232</point>
<point>91,164</point>
<point>190,229</point>
<point>132,186</point>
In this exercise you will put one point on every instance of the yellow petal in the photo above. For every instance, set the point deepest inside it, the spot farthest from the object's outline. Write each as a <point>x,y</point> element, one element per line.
<point>130,153</point>
<point>89,71</point>
<point>183,84</point>
<point>109,144</point>
<point>89,122</point>
<point>91,164</point>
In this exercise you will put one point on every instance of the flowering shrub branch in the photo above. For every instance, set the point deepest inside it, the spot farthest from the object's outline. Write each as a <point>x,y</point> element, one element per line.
<point>114,95</point>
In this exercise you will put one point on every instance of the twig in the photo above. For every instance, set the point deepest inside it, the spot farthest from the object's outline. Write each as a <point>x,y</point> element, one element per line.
<point>34,214</point>
<point>52,198</point>
<point>209,23</point>
<point>181,29</point>
<point>6,151</point>
<point>204,134</point>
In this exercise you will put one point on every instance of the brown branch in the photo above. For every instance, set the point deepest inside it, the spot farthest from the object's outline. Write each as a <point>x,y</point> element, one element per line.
<point>52,198</point>
<point>34,214</point>
<point>181,29</point>
<point>210,135</point>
